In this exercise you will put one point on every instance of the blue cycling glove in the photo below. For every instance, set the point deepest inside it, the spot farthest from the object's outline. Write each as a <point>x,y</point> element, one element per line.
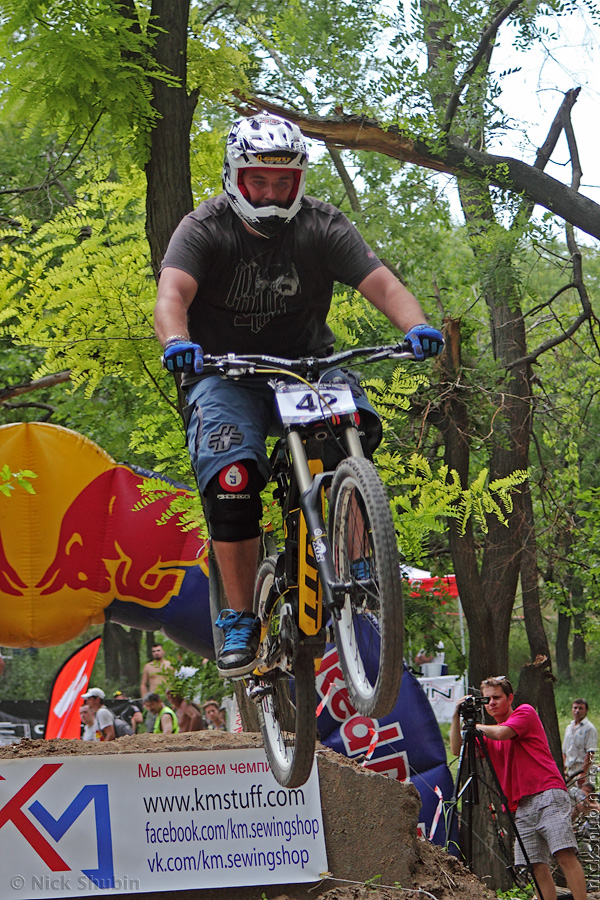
<point>425,341</point>
<point>182,356</point>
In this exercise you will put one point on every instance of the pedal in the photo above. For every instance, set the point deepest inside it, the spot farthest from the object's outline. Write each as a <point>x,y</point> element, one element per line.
<point>258,691</point>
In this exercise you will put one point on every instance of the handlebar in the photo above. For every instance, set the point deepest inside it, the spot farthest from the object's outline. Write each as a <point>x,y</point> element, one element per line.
<point>310,367</point>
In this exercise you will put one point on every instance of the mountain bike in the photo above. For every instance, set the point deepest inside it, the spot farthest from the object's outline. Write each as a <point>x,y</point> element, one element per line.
<point>338,568</point>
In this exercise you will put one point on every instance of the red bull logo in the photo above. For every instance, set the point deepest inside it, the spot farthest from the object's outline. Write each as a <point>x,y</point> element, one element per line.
<point>106,547</point>
<point>10,583</point>
<point>76,545</point>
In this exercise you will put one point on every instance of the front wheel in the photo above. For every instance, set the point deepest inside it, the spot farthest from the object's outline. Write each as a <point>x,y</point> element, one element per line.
<point>370,632</point>
<point>286,707</point>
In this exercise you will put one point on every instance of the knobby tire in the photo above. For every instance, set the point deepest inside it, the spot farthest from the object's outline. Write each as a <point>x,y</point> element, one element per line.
<point>287,715</point>
<point>370,634</point>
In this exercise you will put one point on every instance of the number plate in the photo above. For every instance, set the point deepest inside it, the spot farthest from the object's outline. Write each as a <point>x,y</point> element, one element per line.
<point>298,404</point>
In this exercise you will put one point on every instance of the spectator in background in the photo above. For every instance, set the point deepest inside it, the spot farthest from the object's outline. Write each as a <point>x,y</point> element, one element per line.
<point>423,659</point>
<point>154,675</point>
<point>165,720</point>
<point>155,672</point>
<point>215,717</point>
<point>105,721</point>
<point>188,716</point>
<point>580,741</point>
<point>128,711</point>
<point>88,720</point>
<point>534,787</point>
<point>585,800</point>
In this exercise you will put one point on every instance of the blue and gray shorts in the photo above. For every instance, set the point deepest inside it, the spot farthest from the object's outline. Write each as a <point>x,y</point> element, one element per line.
<point>230,420</point>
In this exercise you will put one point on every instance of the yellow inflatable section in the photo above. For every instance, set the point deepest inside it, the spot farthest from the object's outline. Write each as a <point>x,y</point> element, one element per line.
<point>64,463</point>
<point>76,546</point>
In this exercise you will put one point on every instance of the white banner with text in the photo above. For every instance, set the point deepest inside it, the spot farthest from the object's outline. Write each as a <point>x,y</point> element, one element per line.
<point>131,823</point>
<point>443,692</point>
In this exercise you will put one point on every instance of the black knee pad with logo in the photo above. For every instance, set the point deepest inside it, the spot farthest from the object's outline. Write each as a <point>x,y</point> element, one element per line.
<point>232,503</point>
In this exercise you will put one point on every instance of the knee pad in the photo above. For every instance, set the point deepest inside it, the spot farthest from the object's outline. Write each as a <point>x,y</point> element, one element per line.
<point>232,504</point>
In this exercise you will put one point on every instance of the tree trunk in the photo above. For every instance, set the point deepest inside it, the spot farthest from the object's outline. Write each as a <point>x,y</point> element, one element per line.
<point>578,602</point>
<point>122,656</point>
<point>579,648</point>
<point>538,641</point>
<point>454,424</point>
<point>563,664</point>
<point>150,641</point>
<point>168,176</point>
<point>110,643</point>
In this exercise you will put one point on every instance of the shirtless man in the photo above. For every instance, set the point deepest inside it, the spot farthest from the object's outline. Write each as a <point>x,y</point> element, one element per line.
<point>155,672</point>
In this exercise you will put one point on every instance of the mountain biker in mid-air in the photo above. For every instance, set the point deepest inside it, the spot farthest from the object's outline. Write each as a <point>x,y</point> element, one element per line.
<point>252,271</point>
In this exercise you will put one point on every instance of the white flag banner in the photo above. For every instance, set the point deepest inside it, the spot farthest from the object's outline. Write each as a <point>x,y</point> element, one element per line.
<point>131,823</point>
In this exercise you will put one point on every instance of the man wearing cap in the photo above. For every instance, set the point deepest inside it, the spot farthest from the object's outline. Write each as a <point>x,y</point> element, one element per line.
<point>104,718</point>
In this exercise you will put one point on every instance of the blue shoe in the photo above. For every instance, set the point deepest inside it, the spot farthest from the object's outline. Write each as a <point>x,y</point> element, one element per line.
<point>360,569</point>
<point>237,656</point>
<point>367,593</point>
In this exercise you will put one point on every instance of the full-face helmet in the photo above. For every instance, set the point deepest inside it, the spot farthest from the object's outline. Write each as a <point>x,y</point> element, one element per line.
<point>261,142</point>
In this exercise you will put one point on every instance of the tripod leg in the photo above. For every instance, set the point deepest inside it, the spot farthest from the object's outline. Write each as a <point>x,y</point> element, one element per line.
<point>466,777</point>
<point>504,801</point>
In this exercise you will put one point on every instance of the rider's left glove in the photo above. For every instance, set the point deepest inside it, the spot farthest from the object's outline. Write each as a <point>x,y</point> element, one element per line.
<point>183,356</point>
<point>425,341</point>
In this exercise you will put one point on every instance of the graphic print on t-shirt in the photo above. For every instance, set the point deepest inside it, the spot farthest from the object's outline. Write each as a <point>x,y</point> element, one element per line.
<point>258,293</point>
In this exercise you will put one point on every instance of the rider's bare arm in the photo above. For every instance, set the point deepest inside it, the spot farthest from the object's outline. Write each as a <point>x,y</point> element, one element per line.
<point>176,290</point>
<point>389,295</point>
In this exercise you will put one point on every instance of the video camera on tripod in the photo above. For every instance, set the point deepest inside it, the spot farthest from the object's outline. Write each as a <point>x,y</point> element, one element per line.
<point>470,710</point>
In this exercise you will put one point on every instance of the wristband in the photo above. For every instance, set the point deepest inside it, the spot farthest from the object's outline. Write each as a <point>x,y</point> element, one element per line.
<point>176,338</point>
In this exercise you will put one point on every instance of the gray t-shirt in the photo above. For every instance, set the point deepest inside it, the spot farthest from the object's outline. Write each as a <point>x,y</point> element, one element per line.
<point>259,295</point>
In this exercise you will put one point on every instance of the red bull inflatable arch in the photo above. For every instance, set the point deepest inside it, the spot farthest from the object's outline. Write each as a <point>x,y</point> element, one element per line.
<point>75,553</point>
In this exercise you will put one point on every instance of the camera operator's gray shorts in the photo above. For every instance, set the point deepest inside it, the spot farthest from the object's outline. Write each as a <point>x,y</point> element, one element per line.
<point>228,421</point>
<point>544,822</point>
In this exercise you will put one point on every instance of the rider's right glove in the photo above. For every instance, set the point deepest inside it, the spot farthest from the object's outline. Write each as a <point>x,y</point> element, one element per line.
<point>425,341</point>
<point>182,356</point>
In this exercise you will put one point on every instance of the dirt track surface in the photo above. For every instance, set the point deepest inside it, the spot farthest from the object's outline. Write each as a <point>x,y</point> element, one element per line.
<point>370,827</point>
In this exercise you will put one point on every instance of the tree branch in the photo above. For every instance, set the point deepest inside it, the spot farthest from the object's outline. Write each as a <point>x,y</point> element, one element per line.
<point>547,149</point>
<point>563,121</point>
<point>452,157</point>
<point>26,387</point>
<point>480,52</point>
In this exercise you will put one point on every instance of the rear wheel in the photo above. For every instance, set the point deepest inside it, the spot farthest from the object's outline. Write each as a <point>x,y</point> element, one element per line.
<point>286,706</point>
<point>370,633</point>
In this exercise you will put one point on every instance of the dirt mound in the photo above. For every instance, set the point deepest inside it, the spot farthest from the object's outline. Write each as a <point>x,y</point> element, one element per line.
<point>369,820</point>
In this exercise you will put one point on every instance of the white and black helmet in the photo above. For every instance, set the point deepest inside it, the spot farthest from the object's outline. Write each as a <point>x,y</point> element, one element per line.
<point>260,142</point>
